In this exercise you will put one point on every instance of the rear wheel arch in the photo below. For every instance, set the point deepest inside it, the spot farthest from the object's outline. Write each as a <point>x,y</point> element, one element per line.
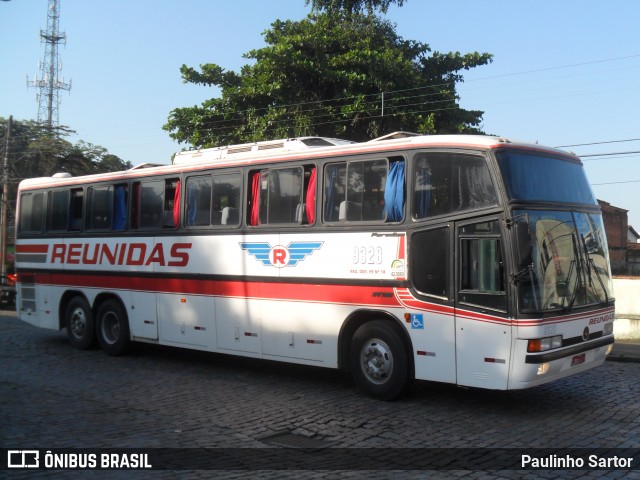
<point>355,320</point>
<point>64,304</point>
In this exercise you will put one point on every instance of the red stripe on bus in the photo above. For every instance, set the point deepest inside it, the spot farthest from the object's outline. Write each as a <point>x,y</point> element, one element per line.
<point>21,248</point>
<point>362,296</point>
<point>293,292</point>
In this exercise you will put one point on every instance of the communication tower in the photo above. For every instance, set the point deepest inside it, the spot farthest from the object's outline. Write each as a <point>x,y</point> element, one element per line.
<point>49,84</point>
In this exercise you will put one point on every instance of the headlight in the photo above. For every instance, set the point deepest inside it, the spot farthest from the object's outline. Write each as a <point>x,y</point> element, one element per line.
<point>543,344</point>
<point>608,329</point>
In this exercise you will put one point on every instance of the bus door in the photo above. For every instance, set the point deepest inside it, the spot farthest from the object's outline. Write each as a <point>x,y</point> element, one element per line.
<point>483,329</point>
<point>433,327</point>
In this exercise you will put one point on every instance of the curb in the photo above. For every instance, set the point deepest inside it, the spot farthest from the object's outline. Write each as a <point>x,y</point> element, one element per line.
<point>625,351</point>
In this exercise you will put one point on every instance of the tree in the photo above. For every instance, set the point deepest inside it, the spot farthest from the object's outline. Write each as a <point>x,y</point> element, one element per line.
<point>341,74</point>
<point>352,6</point>
<point>35,152</point>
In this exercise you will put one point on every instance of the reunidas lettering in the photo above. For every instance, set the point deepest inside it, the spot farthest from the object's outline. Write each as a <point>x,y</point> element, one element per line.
<point>129,254</point>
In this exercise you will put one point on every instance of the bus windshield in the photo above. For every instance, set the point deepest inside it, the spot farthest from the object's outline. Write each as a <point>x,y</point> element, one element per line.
<point>563,260</point>
<point>534,177</point>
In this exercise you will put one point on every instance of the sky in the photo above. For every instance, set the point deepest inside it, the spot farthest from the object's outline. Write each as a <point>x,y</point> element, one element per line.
<point>564,73</point>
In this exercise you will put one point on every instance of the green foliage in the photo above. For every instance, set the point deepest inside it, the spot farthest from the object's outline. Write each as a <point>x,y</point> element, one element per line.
<point>325,75</point>
<point>35,152</point>
<point>351,6</point>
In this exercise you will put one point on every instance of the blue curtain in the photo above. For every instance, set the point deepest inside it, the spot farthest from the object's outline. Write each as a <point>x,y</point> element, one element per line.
<point>192,204</point>
<point>424,194</point>
<point>394,192</point>
<point>329,202</point>
<point>119,208</point>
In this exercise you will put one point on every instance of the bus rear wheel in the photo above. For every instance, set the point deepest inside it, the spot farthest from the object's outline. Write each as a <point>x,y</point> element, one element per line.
<point>112,328</point>
<point>379,362</point>
<point>80,324</point>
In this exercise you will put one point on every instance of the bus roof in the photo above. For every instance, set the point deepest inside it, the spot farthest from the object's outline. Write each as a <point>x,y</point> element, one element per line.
<point>289,150</point>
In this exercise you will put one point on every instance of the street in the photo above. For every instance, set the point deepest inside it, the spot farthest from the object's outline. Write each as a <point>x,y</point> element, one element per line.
<point>53,396</point>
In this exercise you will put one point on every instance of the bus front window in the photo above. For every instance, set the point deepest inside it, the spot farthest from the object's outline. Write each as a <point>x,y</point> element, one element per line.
<point>562,260</point>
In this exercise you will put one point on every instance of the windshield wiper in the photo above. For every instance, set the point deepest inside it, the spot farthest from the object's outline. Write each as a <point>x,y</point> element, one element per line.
<point>578,273</point>
<point>516,277</point>
<point>592,265</point>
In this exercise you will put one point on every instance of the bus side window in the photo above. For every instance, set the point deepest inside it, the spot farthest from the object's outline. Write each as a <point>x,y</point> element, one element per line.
<point>365,190</point>
<point>99,208</point>
<point>450,182</point>
<point>334,191</point>
<point>199,201</point>
<point>58,211</point>
<point>369,190</point>
<point>151,204</point>
<point>31,212</point>
<point>227,192</point>
<point>429,262</point>
<point>276,196</point>
<point>76,209</point>
<point>481,266</point>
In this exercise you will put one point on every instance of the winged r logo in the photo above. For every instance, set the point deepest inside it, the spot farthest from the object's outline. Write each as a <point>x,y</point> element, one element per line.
<point>280,256</point>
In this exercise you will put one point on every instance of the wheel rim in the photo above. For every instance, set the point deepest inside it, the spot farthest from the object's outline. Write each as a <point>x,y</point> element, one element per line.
<point>376,361</point>
<point>110,328</point>
<point>78,323</point>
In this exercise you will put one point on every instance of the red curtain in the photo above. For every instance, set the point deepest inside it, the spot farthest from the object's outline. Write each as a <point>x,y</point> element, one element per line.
<point>255,199</point>
<point>176,206</point>
<point>311,198</point>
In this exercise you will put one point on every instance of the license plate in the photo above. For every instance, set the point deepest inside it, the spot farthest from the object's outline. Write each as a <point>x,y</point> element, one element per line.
<point>578,359</point>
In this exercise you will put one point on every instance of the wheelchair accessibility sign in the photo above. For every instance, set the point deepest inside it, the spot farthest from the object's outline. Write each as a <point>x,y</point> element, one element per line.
<point>417,321</point>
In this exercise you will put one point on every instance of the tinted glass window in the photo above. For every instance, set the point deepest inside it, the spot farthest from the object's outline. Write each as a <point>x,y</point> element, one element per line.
<point>481,273</point>
<point>536,177</point>
<point>371,190</point>
<point>284,195</point>
<point>100,208</point>
<point>450,182</point>
<point>429,254</point>
<point>152,204</point>
<point>481,266</point>
<point>226,199</point>
<point>58,218</point>
<point>278,196</point>
<point>214,200</point>
<point>31,212</point>
<point>199,201</point>
<point>77,198</point>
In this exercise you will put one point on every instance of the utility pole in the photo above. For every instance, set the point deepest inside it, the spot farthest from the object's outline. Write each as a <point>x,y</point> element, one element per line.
<point>49,85</point>
<point>5,200</point>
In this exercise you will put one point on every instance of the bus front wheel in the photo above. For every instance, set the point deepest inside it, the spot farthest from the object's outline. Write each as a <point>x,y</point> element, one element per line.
<point>112,328</point>
<point>379,362</point>
<point>79,322</point>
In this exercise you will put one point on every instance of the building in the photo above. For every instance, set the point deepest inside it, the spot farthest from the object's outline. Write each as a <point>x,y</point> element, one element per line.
<point>623,240</point>
<point>617,229</point>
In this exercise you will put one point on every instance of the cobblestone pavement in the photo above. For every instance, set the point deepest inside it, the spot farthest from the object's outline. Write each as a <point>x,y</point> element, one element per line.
<point>52,396</point>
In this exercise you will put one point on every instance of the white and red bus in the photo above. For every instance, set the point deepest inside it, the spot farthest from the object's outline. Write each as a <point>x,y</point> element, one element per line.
<point>463,259</point>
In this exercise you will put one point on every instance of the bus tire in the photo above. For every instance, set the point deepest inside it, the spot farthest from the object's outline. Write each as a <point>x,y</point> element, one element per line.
<point>112,328</point>
<point>78,319</point>
<point>379,362</point>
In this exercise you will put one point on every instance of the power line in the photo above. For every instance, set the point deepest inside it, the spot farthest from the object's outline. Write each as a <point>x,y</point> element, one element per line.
<point>617,183</point>
<point>609,154</point>
<point>599,143</point>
